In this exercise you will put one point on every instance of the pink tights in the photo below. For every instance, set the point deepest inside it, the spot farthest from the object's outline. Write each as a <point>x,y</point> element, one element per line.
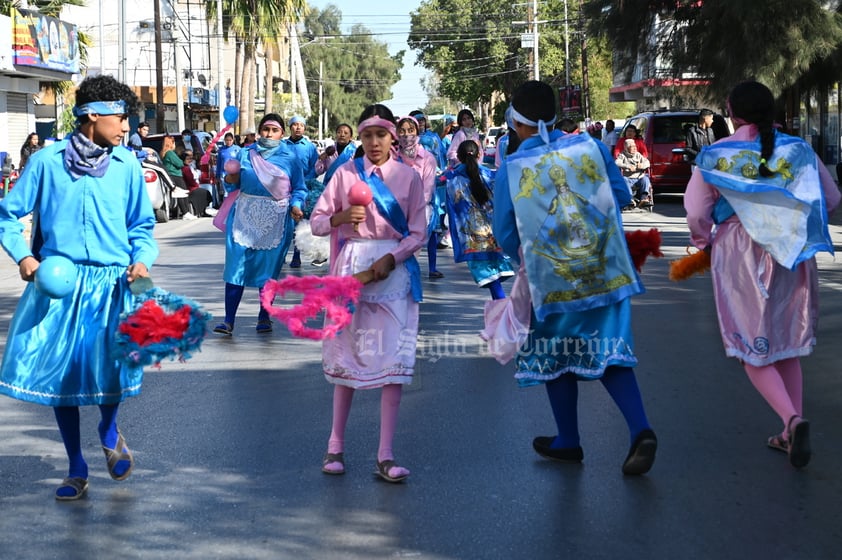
<point>390,400</point>
<point>781,384</point>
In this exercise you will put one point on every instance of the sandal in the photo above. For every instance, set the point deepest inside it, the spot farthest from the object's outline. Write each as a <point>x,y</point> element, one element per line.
<point>224,328</point>
<point>264,326</point>
<point>383,469</point>
<point>779,442</point>
<point>112,457</point>
<point>799,442</point>
<point>79,486</point>
<point>333,458</point>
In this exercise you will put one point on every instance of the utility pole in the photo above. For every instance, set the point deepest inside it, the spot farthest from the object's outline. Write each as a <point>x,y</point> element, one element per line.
<point>566,47</point>
<point>220,62</point>
<point>535,71</point>
<point>586,90</point>
<point>159,71</point>
<point>321,108</point>
<point>530,39</point>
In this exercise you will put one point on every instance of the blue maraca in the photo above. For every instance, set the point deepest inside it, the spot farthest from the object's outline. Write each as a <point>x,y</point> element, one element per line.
<point>56,277</point>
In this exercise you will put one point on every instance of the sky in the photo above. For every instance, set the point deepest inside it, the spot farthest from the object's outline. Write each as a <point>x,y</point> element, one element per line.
<point>390,22</point>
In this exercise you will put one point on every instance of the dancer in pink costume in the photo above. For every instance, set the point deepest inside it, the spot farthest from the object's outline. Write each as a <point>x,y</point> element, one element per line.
<point>378,348</point>
<point>752,184</point>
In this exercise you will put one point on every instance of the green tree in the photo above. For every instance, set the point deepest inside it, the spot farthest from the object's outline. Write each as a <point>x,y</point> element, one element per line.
<point>778,42</point>
<point>356,70</point>
<point>474,49</point>
<point>251,22</point>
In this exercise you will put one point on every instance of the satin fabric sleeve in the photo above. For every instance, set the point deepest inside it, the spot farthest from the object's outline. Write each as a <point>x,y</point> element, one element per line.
<point>503,221</point>
<point>140,219</point>
<point>832,195</point>
<point>699,199</point>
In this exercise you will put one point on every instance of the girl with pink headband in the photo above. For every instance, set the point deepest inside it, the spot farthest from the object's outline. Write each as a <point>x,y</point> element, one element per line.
<point>411,152</point>
<point>377,350</point>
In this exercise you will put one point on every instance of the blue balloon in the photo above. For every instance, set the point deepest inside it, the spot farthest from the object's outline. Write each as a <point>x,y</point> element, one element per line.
<point>56,277</point>
<point>231,114</point>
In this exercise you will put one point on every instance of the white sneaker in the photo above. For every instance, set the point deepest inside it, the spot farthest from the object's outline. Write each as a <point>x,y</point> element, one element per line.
<point>189,216</point>
<point>211,211</point>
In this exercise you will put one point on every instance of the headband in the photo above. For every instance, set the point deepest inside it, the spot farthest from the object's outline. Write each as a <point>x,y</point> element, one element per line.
<point>378,121</point>
<point>101,108</point>
<point>541,124</point>
<point>297,119</point>
<point>418,115</point>
<point>272,122</point>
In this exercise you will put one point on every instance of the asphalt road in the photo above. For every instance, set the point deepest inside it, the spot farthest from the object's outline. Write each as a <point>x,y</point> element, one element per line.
<point>228,446</point>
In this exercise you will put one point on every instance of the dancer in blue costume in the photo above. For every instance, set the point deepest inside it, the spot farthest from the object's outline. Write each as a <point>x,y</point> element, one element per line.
<point>89,204</point>
<point>470,206</point>
<point>557,199</point>
<point>270,193</point>
<point>308,156</point>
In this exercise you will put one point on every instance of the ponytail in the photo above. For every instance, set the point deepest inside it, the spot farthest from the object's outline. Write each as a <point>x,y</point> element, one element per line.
<point>767,146</point>
<point>468,154</point>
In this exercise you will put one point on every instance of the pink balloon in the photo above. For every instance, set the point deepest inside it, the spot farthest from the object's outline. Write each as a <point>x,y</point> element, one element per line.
<point>232,166</point>
<point>360,194</point>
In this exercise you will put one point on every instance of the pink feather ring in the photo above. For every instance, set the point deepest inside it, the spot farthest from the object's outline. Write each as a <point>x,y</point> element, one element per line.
<point>336,295</point>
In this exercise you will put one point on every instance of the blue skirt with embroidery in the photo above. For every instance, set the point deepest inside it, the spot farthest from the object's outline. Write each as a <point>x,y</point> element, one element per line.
<point>582,343</point>
<point>58,350</point>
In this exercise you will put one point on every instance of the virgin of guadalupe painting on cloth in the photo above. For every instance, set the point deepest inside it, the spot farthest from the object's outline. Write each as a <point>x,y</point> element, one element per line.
<point>570,228</point>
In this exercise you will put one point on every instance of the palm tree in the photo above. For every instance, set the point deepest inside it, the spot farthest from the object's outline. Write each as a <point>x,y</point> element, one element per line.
<point>253,22</point>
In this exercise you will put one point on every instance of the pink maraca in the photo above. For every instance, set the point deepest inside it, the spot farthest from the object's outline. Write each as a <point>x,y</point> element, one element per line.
<point>232,167</point>
<point>359,195</point>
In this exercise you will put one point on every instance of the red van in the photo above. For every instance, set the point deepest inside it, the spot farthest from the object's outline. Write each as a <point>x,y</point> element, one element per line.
<point>664,133</point>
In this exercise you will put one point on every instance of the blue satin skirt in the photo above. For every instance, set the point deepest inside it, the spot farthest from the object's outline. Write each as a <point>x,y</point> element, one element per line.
<point>58,352</point>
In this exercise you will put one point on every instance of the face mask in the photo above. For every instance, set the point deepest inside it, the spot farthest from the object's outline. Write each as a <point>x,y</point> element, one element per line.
<point>268,142</point>
<point>408,141</point>
<point>186,138</point>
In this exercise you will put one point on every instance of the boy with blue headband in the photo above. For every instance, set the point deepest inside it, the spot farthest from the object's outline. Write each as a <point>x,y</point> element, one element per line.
<point>89,205</point>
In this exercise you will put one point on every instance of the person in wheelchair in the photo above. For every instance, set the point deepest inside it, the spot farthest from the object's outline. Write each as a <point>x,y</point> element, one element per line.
<point>635,169</point>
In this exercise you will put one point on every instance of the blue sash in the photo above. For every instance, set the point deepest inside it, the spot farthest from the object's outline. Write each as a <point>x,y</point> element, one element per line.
<point>389,208</point>
<point>786,213</point>
<point>567,217</point>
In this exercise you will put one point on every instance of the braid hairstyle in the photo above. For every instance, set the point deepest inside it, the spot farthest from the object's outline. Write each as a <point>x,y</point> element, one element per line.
<point>754,103</point>
<point>467,153</point>
<point>375,110</point>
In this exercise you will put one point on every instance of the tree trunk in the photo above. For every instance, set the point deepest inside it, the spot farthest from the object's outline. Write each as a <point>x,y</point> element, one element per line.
<point>268,56</point>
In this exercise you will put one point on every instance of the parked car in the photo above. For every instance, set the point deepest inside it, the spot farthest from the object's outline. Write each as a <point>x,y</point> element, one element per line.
<point>159,185</point>
<point>664,133</point>
<point>489,143</point>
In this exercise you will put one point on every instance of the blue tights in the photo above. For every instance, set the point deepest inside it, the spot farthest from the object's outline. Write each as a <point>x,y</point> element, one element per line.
<point>67,418</point>
<point>620,383</point>
<point>496,289</point>
<point>233,296</point>
<point>432,248</point>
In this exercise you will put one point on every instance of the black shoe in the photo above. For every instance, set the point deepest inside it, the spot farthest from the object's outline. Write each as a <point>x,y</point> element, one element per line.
<point>436,274</point>
<point>541,445</point>
<point>642,453</point>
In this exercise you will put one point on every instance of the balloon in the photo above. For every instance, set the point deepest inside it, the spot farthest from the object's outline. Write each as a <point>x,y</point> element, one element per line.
<point>360,194</point>
<point>231,114</point>
<point>232,166</point>
<point>56,277</point>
